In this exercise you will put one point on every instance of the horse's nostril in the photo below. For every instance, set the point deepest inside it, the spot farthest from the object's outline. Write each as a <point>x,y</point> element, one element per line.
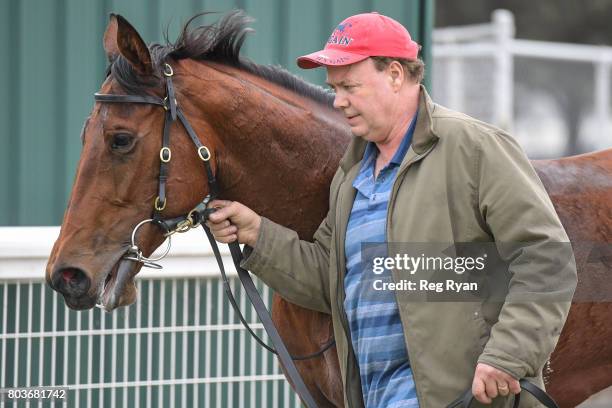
<point>69,274</point>
<point>71,281</point>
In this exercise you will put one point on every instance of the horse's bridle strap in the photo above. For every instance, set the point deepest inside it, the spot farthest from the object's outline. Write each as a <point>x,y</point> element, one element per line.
<point>144,99</point>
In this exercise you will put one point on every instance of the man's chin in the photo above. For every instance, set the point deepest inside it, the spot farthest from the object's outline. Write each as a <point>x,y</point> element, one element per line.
<point>359,132</point>
<point>363,135</point>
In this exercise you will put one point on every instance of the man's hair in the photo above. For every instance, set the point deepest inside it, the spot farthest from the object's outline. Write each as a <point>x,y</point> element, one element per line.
<point>415,69</point>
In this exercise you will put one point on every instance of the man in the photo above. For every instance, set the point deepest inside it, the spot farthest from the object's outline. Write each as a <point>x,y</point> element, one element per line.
<point>415,172</point>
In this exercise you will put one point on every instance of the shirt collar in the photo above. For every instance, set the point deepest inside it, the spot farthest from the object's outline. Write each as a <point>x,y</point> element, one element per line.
<point>403,147</point>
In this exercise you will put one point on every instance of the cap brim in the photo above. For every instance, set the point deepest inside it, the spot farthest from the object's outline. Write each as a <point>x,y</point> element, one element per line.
<point>328,58</point>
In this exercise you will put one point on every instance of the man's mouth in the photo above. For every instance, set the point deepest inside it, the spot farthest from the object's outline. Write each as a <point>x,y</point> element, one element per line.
<point>350,118</point>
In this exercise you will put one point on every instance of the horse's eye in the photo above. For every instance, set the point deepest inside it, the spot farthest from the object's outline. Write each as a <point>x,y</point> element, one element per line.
<point>121,141</point>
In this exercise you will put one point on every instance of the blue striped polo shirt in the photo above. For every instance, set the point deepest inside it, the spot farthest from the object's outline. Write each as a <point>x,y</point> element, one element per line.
<point>374,322</point>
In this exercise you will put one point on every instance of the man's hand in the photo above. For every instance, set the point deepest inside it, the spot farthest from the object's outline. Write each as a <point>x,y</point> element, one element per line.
<point>489,382</point>
<point>233,221</point>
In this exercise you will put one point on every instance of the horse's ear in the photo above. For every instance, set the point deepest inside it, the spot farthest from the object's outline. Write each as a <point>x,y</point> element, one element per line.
<point>121,38</point>
<point>110,39</point>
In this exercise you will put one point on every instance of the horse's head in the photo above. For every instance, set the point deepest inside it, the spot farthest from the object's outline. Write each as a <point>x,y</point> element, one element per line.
<point>117,183</point>
<point>230,102</point>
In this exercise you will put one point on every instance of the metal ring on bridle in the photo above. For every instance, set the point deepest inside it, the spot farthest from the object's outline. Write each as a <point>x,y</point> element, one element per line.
<point>139,256</point>
<point>167,156</point>
<point>205,149</point>
<point>168,70</point>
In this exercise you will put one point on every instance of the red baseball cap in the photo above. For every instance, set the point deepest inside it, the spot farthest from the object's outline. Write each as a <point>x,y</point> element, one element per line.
<point>361,36</point>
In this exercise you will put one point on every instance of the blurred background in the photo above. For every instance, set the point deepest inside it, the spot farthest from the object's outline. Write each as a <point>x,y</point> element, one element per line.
<point>538,69</point>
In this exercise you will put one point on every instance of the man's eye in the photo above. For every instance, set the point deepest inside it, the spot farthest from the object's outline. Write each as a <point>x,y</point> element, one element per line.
<point>121,141</point>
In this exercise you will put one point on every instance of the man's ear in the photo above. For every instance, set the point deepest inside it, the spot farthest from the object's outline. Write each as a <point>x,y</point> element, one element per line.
<point>120,38</point>
<point>396,74</point>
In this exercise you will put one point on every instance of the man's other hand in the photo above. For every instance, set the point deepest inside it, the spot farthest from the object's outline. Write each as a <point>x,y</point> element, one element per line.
<point>489,382</point>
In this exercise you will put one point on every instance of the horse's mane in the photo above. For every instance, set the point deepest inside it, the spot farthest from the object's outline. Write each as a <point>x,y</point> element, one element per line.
<point>220,42</point>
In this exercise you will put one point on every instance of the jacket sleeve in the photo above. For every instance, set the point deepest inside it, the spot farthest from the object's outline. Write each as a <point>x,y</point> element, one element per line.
<point>297,270</point>
<point>530,238</point>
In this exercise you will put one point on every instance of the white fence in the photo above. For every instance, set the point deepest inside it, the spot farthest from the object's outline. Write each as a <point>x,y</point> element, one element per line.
<point>554,97</point>
<point>180,345</point>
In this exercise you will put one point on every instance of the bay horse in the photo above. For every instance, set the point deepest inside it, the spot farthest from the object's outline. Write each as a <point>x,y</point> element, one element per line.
<point>276,142</point>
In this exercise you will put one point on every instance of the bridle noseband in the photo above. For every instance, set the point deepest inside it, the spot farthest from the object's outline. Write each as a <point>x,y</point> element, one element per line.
<point>197,217</point>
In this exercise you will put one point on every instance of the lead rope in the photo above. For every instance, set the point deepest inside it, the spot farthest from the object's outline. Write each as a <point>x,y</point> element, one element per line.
<point>232,300</point>
<point>264,316</point>
<point>266,320</point>
<point>465,400</point>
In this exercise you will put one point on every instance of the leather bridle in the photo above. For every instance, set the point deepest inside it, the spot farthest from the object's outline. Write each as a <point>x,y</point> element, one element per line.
<point>197,217</point>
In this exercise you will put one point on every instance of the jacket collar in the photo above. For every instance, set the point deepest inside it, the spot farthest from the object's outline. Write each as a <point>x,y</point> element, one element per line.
<point>422,138</point>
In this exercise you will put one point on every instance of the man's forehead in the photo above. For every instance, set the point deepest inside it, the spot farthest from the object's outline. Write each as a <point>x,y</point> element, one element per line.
<point>336,75</point>
<point>351,72</point>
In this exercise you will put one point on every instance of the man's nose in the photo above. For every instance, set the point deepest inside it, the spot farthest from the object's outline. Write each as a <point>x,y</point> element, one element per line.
<point>340,101</point>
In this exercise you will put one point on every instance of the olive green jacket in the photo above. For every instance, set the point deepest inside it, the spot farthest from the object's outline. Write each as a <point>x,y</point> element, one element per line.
<point>462,180</point>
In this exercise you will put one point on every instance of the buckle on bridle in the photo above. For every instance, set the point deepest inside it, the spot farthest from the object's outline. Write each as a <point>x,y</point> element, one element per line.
<point>204,153</point>
<point>194,218</point>
<point>167,104</point>
<point>165,154</point>
<point>161,207</point>
<point>182,226</point>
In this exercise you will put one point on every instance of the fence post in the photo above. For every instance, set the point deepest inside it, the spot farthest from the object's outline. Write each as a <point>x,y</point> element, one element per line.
<point>455,83</point>
<point>504,29</point>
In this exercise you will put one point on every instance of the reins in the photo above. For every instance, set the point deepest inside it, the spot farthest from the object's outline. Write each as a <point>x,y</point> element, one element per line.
<point>197,217</point>
<point>465,400</point>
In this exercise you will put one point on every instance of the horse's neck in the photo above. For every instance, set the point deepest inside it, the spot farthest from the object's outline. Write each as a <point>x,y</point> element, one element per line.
<point>277,150</point>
